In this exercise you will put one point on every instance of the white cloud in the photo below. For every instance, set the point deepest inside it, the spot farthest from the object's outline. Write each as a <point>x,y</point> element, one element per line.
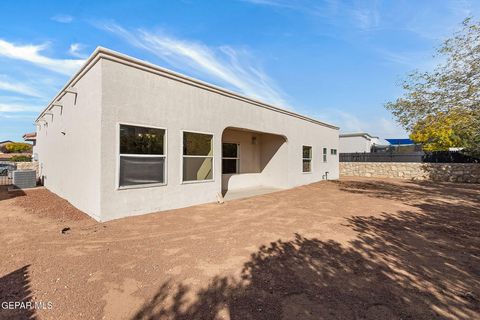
<point>365,18</point>
<point>13,116</point>
<point>424,21</point>
<point>231,67</point>
<point>363,15</point>
<point>17,107</point>
<point>304,6</point>
<point>32,53</point>
<point>418,17</point>
<point>75,50</point>
<point>7,84</point>
<point>422,60</point>
<point>62,18</point>
<point>265,2</point>
<point>390,129</point>
<point>377,125</point>
<point>351,123</point>
<point>276,3</point>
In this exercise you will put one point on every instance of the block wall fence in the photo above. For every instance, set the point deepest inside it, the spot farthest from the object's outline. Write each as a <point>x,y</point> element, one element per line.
<point>445,172</point>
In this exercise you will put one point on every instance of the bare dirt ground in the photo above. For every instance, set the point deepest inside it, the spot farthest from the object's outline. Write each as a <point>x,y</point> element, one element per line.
<point>351,249</point>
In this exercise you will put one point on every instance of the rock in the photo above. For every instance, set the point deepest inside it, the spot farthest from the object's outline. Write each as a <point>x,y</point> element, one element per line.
<point>453,172</point>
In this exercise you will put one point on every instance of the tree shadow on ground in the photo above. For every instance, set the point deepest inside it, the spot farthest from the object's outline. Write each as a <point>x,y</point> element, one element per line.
<point>5,194</point>
<point>15,287</point>
<point>418,264</point>
<point>412,191</point>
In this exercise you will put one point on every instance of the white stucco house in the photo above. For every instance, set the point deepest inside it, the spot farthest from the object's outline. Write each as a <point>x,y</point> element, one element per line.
<point>126,137</point>
<point>357,142</point>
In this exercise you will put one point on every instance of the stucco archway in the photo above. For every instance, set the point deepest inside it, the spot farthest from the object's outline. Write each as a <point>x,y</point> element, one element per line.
<point>253,160</point>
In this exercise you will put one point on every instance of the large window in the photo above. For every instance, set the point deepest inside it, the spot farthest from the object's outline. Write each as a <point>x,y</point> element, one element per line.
<point>230,158</point>
<point>324,154</point>
<point>197,156</point>
<point>142,156</point>
<point>307,159</point>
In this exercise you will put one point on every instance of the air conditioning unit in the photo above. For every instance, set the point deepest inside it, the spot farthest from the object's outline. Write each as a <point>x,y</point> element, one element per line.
<point>23,179</point>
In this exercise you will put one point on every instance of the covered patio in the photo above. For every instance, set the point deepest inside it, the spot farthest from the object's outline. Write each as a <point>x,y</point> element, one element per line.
<point>253,163</point>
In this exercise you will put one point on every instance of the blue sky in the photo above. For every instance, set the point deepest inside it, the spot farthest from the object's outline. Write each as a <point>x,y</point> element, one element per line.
<point>337,61</point>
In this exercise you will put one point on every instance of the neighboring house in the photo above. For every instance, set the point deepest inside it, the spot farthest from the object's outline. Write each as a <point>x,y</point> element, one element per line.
<point>126,137</point>
<point>7,156</point>
<point>357,142</point>
<point>32,137</point>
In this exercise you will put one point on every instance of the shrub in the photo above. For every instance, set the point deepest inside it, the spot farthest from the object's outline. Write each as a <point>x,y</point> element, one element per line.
<point>17,147</point>
<point>21,159</point>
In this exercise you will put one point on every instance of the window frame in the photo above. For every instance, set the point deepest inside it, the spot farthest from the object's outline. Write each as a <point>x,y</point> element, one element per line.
<point>165,151</point>
<point>231,158</point>
<point>309,159</point>
<point>182,156</point>
<point>333,152</point>
<point>324,155</point>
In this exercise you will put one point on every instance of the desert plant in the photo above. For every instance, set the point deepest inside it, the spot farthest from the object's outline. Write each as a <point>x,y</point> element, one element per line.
<point>17,147</point>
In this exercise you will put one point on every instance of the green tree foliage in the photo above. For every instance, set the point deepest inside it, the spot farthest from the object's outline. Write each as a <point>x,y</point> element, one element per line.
<point>442,107</point>
<point>17,147</point>
<point>437,133</point>
<point>21,159</point>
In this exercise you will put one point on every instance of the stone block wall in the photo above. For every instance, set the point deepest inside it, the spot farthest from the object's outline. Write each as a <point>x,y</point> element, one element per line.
<point>447,172</point>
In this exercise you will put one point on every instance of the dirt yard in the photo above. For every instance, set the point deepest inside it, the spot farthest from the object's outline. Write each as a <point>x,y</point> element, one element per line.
<point>351,249</point>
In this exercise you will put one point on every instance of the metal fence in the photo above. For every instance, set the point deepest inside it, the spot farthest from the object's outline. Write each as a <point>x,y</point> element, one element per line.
<point>426,157</point>
<point>6,169</point>
<point>381,157</point>
<point>449,157</point>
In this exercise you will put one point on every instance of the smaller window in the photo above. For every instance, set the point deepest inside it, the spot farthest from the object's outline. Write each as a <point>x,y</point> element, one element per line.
<point>333,152</point>
<point>197,156</point>
<point>230,158</point>
<point>307,159</point>
<point>324,154</point>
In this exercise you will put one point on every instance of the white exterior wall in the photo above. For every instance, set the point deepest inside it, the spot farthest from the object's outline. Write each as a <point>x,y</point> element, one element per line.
<point>70,162</point>
<point>354,144</point>
<point>143,98</point>
<point>83,165</point>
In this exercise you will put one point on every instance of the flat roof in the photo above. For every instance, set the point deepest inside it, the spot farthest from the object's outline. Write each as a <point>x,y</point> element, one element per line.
<point>357,134</point>
<point>104,53</point>
<point>401,141</point>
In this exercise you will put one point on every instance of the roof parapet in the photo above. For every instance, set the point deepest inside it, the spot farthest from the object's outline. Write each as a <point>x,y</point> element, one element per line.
<point>104,53</point>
